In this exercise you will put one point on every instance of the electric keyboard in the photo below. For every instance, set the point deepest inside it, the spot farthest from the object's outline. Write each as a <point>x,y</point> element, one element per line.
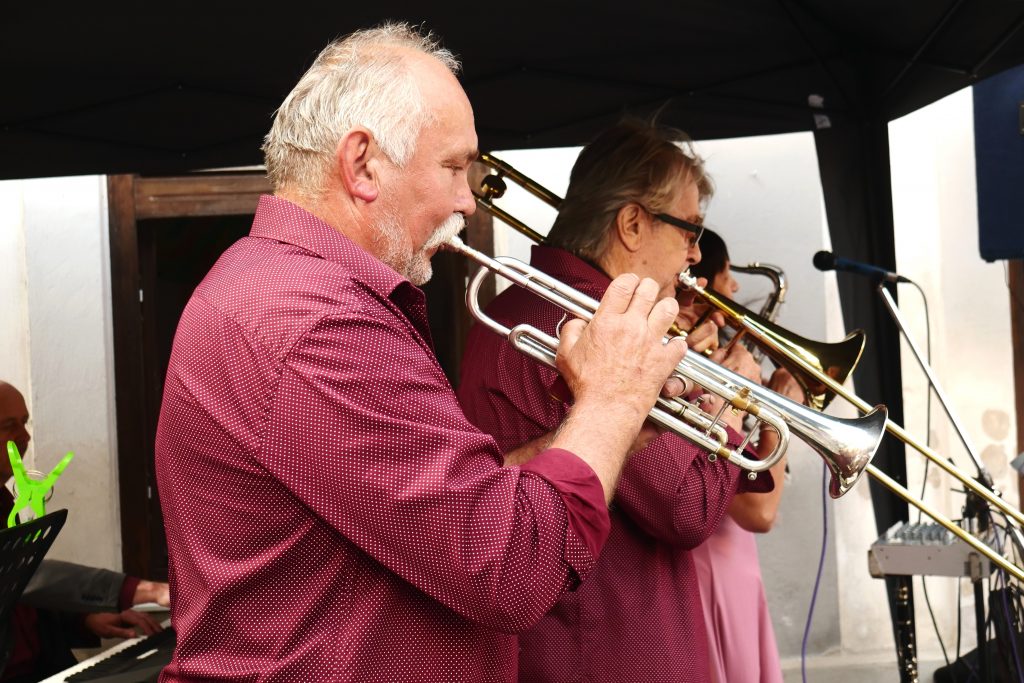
<point>138,660</point>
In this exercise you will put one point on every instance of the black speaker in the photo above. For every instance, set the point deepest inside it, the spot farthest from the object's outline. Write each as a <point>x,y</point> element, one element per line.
<point>999,163</point>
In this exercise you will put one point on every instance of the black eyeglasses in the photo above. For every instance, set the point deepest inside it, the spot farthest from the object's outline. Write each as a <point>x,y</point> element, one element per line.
<point>695,229</point>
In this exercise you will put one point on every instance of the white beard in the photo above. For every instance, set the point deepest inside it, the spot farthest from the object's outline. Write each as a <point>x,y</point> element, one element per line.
<point>394,248</point>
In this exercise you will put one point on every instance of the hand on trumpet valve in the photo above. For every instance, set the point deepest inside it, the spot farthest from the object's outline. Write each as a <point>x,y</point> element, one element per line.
<point>620,358</point>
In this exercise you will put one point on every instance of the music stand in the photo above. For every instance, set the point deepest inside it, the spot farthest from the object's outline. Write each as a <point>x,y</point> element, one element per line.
<point>22,548</point>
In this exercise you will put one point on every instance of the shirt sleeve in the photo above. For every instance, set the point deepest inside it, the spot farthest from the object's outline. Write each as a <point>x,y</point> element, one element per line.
<point>70,587</point>
<point>676,494</point>
<point>365,430</point>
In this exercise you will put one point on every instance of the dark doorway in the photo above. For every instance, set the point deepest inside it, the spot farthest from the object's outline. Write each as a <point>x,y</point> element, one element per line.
<point>165,234</point>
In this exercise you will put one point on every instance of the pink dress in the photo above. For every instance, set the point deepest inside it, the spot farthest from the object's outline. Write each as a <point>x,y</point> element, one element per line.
<point>741,642</point>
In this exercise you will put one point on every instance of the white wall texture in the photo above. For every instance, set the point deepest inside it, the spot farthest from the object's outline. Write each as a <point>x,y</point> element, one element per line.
<point>58,350</point>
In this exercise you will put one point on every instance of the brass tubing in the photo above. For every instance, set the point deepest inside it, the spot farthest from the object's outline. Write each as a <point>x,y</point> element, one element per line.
<point>898,431</point>
<point>927,509</point>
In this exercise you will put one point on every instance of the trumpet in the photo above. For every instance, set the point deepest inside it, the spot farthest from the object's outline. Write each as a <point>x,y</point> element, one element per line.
<point>813,362</point>
<point>846,445</point>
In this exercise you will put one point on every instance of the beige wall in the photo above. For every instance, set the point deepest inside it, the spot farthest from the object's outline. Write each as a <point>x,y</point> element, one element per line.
<point>57,349</point>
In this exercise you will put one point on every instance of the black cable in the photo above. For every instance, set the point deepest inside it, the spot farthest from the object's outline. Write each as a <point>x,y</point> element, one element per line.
<point>1002,584</point>
<point>927,462</point>
<point>821,570</point>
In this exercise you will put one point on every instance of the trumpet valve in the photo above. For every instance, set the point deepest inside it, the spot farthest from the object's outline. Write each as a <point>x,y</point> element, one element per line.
<point>741,402</point>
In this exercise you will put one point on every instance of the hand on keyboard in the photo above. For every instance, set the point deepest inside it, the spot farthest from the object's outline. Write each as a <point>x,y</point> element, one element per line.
<point>152,591</point>
<point>121,624</point>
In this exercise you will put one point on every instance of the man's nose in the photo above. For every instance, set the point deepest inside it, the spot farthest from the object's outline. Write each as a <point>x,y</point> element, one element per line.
<point>693,257</point>
<point>465,202</point>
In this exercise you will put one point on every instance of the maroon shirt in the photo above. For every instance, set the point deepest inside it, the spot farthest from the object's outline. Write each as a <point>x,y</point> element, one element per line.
<point>331,515</point>
<point>638,615</point>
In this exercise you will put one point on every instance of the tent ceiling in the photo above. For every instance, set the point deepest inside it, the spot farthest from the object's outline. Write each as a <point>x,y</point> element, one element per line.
<point>195,85</point>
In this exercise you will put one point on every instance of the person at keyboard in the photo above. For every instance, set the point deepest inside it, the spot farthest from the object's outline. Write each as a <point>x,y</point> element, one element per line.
<point>65,604</point>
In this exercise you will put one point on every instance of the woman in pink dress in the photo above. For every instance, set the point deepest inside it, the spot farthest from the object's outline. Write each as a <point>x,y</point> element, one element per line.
<point>741,642</point>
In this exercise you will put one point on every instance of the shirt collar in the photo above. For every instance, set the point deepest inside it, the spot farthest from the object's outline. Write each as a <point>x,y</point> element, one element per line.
<point>280,220</point>
<point>574,271</point>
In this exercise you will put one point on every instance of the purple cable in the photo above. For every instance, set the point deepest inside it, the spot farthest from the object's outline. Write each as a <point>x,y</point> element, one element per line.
<point>821,566</point>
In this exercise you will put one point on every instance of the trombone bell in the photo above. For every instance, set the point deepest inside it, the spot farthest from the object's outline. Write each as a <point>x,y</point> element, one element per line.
<point>835,360</point>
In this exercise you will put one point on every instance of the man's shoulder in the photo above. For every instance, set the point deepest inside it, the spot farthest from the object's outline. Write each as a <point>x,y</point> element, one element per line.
<point>273,291</point>
<point>256,273</point>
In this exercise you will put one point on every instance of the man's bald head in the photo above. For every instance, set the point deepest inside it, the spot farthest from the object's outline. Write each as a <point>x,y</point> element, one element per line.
<point>13,421</point>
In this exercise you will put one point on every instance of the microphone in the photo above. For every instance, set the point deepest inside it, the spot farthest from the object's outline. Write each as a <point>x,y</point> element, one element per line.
<point>826,260</point>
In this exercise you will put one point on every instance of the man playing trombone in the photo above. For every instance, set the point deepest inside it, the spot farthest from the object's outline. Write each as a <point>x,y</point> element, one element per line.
<point>633,206</point>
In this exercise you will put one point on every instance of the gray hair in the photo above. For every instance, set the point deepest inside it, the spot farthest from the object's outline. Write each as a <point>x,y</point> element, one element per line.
<point>633,161</point>
<point>364,80</point>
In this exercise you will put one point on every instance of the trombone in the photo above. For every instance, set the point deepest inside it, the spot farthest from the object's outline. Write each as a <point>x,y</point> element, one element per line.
<point>818,369</point>
<point>778,345</point>
<point>837,359</point>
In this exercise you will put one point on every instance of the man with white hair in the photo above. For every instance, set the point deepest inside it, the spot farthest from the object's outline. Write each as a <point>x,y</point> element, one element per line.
<point>331,515</point>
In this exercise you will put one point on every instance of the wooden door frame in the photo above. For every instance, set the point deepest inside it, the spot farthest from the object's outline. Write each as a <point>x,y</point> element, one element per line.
<point>132,198</point>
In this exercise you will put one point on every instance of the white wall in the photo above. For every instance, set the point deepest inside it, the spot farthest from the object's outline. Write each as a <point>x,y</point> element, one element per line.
<point>935,209</point>
<point>58,350</point>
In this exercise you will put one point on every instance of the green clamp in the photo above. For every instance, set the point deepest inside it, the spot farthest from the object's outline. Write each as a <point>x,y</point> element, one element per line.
<point>31,493</point>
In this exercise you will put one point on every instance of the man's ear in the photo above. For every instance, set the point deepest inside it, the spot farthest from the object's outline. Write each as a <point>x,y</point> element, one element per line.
<point>630,224</point>
<point>357,164</point>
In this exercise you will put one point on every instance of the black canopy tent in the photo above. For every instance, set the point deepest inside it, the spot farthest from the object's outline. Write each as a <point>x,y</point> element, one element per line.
<point>159,90</point>
<point>162,90</point>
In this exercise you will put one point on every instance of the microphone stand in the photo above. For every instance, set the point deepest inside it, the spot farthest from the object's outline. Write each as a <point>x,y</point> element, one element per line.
<point>976,509</point>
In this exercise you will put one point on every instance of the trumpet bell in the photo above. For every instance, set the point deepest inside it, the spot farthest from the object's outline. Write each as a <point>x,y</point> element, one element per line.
<point>847,445</point>
<point>852,456</point>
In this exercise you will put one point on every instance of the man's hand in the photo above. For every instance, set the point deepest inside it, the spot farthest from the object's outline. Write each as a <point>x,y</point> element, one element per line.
<point>705,335</point>
<point>152,591</point>
<point>121,624</point>
<point>620,358</point>
<point>739,360</point>
<point>616,365</point>
<point>782,382</point>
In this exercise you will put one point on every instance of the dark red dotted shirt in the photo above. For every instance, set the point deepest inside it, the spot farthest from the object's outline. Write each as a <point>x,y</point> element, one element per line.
<point>331,515</point>
<point>638,616</point>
